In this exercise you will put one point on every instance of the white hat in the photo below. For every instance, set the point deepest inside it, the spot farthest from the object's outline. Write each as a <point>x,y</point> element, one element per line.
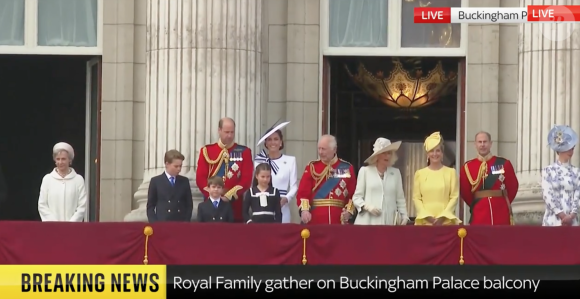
<point>271,131</point>
<point>383,145</point>
<point>63,146</point>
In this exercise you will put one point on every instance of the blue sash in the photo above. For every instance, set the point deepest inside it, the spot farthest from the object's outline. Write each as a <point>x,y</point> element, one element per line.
<point>332,182</point>
<point>236,153</point>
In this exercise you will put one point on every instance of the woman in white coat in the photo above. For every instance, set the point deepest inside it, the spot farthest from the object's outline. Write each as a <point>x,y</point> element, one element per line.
<point>379,196</point>
<point>283,167</point>
<point>63,195</point>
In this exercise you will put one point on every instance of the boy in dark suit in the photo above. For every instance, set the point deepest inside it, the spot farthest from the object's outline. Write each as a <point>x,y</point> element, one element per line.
<point>215,209</point>
<point>169,197</point>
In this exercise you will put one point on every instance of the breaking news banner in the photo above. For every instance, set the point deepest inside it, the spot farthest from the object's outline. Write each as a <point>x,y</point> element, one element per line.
<point>153,282</point>
<point>83,282</point>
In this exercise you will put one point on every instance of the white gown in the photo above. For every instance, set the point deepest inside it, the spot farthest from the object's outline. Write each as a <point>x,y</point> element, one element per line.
<point>283,178</point>
<point>561,192</point>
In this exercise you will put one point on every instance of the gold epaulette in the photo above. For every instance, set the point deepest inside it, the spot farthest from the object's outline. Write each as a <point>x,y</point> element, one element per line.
<point>209,161</point>
<point>465,163</point>
<point>344,161</point>
<point>312,161</point>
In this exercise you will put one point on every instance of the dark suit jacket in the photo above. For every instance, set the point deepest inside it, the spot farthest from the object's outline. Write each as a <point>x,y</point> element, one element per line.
<point>3,187</point>
<point>169,203</point>
<point>207,213</point>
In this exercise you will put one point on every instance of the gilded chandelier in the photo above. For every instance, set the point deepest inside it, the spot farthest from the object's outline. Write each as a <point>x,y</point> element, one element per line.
<point>404,90</point>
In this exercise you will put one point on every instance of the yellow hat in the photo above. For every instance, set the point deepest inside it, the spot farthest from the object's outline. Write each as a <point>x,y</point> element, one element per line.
<point>433,141</point>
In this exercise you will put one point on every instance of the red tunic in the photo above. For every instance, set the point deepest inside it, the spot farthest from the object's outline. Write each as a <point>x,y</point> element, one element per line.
<point>233,164</point>
<point>326,189</point>
<point>490,210</point>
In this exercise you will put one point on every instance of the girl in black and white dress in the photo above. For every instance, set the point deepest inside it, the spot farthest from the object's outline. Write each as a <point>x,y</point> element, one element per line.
<point>263,199</point>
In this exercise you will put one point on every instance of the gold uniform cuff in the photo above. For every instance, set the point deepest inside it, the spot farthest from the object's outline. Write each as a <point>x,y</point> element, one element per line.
<point>233,193</point>
<point>350,207</point>
<point>304,204</point>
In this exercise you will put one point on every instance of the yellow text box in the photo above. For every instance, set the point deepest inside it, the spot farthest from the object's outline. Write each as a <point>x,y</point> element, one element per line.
<point>83,281</point>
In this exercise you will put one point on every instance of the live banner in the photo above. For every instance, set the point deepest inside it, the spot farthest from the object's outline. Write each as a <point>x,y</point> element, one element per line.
<point>156,282</point>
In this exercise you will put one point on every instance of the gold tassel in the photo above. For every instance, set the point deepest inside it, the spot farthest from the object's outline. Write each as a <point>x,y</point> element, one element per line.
<point>148,232</point>
<point>461,233</point>
<point>305,234</point>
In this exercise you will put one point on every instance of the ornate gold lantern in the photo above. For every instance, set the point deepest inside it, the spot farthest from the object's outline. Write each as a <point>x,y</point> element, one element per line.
<point>403,90</point>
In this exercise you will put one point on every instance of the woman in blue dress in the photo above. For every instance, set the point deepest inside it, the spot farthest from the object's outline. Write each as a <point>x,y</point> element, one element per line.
<point>284,176</point>
<point>560,185</point>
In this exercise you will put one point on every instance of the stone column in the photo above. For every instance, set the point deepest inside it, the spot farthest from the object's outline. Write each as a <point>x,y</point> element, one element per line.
<point>549,94</point>
<point>203,63</point>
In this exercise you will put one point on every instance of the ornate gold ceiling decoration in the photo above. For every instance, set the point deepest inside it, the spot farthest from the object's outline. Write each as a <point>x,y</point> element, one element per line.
<point>402,90</point>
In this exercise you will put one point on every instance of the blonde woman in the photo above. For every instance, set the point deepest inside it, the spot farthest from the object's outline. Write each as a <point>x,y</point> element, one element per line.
<point>63,195</point>
<point>379,196</point>
<point>435,188</point>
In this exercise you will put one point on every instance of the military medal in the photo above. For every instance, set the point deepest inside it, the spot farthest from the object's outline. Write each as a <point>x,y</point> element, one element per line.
<point>235,167</point>
<point>501,179</point>
<point>237,156</point>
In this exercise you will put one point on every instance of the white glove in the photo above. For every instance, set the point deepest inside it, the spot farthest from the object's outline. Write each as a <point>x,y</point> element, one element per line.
<point>372,210</point>
<point>404,220</point>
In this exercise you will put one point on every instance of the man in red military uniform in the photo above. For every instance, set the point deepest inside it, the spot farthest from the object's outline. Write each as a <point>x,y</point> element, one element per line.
<point>488,184</point>
<point>326,188</point>
<point>231,161</point>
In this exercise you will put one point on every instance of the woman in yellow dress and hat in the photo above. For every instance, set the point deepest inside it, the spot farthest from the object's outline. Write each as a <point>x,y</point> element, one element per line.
<point>436,187</point>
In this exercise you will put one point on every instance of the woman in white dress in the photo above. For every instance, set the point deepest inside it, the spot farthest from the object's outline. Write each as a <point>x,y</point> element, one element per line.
<point>379,196</point>
<point>283,167</point>
<point>63,195</point>
<point>560,180</point>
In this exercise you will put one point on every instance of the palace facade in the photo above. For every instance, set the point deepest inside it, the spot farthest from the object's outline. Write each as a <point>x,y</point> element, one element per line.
<point>169,70</point>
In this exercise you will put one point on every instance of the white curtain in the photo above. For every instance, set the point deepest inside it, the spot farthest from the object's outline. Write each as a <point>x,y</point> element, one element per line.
<point>12,22</point>
<point>67,23</point>
<point>358,23</point>
<point>411,158</point>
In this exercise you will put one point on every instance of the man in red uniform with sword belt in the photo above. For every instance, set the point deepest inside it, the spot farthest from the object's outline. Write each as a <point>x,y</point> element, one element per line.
<point>326,188</point>
<point>488,184</point>
<point>231,161</point>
